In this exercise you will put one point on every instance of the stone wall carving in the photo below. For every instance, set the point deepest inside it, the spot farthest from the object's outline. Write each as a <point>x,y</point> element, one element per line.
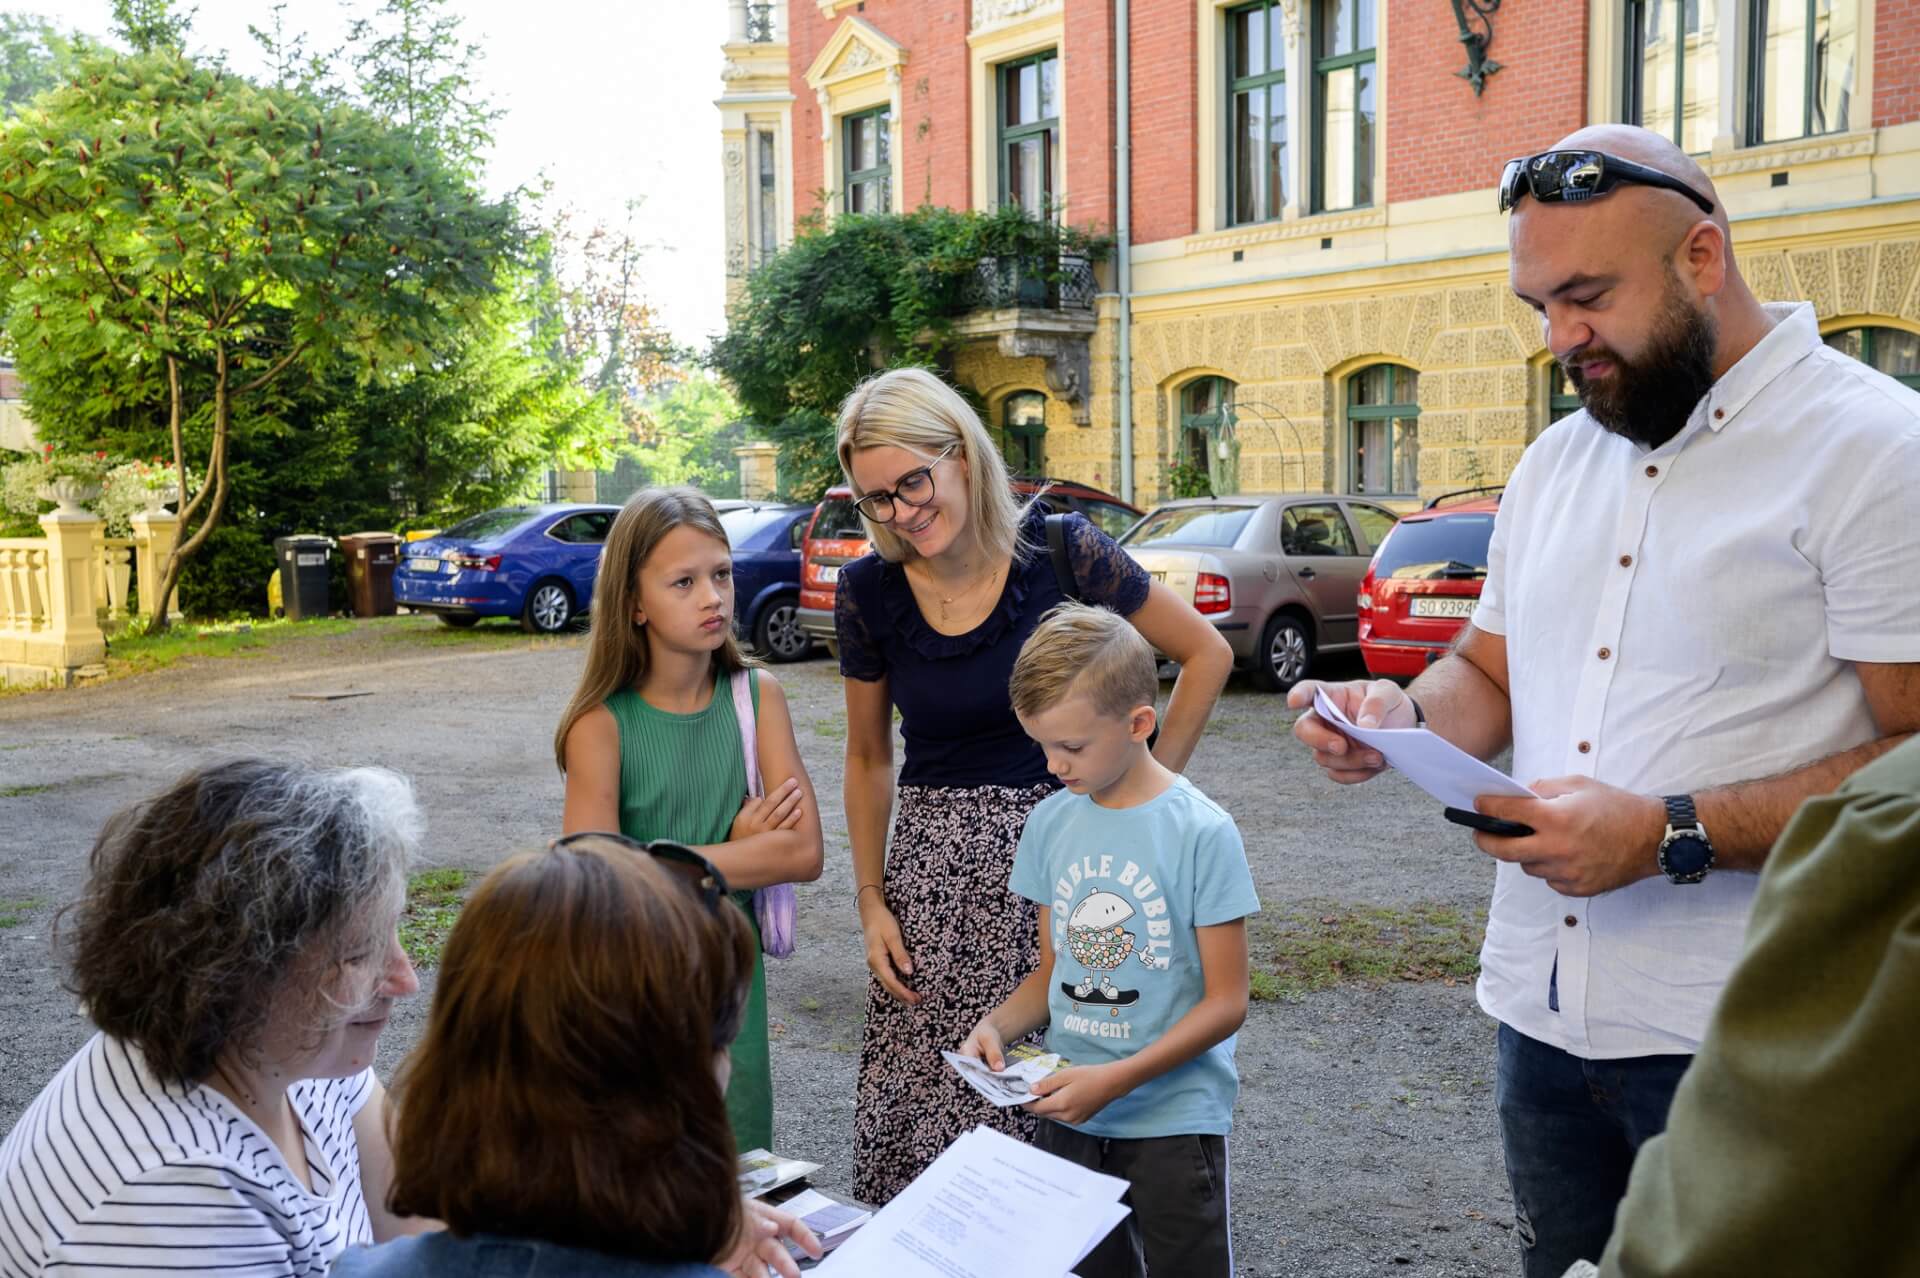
<point>994,13</point>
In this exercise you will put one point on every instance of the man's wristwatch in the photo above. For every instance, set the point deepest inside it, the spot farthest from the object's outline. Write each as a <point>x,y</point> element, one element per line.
<point>1686,853</point>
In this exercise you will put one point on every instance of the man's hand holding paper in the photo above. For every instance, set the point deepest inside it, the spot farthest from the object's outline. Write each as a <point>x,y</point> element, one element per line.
<point>1587,838</point>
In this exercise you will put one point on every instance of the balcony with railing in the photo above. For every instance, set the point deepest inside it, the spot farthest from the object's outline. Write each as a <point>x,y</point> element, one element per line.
<point>757,22</point>
<point>1038,306</point>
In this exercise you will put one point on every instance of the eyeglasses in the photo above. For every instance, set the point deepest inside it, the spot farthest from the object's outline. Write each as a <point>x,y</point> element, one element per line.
<point>915,489</point>
<point>1569,177</point>
<point>699,873</point>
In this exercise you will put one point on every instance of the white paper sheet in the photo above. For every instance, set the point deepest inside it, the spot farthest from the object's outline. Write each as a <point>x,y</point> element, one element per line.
<point>1010,1086</point>
<point>1431,762</point>
<point>988,1207</point>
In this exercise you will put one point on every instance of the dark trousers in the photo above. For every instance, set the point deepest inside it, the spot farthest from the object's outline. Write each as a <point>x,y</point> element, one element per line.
<point>1178,1226</point>
<point>1570,1128</point>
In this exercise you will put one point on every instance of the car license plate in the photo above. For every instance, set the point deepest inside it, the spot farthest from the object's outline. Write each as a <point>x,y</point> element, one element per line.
<point>423,565</point>
<point>1158,576</point>
<point>1442,606</point>
<point>826,574</point>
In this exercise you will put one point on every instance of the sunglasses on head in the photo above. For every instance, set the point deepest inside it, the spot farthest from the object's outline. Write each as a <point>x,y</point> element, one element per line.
<point>1569,177</point>
<point>699,873</point>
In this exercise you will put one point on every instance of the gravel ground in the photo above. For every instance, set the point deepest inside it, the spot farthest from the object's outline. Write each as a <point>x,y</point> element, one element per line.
<point>1364,1143</point>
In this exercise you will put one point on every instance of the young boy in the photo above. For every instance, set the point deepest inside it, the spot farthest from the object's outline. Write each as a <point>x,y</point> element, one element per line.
<point>1143,890</point>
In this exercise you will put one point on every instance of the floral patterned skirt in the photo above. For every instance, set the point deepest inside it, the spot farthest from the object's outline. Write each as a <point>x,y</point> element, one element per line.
<point>972,942</point>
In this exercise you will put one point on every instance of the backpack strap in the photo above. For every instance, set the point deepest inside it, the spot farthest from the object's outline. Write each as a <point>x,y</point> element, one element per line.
<point>1062,561</point>
<point>749,736</point>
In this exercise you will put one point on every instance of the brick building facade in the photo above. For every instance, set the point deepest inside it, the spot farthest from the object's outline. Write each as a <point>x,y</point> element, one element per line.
<point>1312,212</point>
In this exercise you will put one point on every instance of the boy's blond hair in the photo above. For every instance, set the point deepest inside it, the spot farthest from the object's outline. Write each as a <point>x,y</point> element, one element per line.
<point>1091,650</point>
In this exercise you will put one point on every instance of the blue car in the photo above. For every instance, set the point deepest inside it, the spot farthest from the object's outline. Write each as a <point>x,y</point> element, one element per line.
<point>766,577</point>
<point>535,563</point>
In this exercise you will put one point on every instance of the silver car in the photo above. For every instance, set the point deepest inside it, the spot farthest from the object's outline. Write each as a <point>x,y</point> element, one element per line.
<point>1278,576</point>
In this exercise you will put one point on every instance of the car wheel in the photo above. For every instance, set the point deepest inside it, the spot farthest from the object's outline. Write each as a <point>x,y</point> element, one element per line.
<point>549,609</point>
<point>1285,653</point>
<point>458,621</point>
<point>778,634</point>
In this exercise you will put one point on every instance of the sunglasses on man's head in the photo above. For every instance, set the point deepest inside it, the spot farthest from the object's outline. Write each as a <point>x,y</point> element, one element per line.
<point>700,873</point>
<point>1569,177</point>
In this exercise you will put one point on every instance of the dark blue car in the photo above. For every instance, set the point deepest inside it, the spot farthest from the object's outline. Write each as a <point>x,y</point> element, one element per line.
<point>534,563</point>
<point>766,577</point>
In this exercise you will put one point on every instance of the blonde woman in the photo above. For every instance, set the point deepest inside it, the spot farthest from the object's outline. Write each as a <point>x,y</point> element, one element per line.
<point>930,624</point>
<point>651,742</point>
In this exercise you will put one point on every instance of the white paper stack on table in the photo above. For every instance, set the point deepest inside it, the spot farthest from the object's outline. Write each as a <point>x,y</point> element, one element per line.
<point>988,1207</point>
<point>1431,762</point>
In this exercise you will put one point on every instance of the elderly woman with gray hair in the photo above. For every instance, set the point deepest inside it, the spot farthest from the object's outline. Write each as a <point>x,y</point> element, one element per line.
<point>236,945</point>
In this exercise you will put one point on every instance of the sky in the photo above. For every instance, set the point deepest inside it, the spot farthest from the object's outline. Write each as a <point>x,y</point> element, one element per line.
<point>610,99</point>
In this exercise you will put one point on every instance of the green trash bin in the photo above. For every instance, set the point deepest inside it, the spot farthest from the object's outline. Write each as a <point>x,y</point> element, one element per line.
<point>371,560</point>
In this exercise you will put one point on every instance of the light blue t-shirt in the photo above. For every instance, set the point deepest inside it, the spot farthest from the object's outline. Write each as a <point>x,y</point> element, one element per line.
<point>1127,887</point>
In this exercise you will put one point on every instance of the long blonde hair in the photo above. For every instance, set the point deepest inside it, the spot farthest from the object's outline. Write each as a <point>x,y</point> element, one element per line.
<point>616,645</point>
<point>911,409</point>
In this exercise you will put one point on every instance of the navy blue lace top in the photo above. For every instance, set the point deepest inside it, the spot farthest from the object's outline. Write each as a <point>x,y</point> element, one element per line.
<point>955,715</point>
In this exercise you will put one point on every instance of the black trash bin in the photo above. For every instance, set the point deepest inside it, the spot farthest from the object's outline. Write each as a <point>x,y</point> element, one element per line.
<point>371,559</point>
<point>303,575</point>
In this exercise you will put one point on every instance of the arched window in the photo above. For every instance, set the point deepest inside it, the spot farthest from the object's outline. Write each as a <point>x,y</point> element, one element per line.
<point>1023,426</point>
<point>1383,425</point>
<point>1206,418</point>
<point>1892,351</point>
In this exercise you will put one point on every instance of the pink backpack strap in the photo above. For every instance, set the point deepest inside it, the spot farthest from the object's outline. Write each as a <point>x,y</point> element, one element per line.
<point>749,737</point>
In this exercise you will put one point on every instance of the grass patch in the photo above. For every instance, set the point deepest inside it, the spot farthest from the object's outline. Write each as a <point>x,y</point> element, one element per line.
<point>434,898</point>
<point>421,631</point>
<point>1318,945</point>
<point>832,729</point>
<point>139,652</point>
<point>14,913</point>
<point>21,791</point>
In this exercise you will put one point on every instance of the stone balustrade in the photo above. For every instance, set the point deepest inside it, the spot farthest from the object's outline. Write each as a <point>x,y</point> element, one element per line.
<point>61,592</point>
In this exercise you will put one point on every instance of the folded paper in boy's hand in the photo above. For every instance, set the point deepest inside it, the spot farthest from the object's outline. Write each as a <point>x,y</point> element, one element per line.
<point>1010,1086</point>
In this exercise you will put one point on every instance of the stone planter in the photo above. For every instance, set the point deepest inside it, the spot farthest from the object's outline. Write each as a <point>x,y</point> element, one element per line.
<point>158,499</point>
<point>69,495</point>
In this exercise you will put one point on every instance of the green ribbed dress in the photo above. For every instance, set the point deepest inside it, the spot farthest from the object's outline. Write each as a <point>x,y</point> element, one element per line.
<point>683,777</point>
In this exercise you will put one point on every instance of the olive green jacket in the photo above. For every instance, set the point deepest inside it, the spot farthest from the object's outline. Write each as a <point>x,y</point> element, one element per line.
<point>1793,1146</point>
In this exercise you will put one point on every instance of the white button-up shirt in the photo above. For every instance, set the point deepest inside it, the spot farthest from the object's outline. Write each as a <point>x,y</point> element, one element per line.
<point>1681,618</point>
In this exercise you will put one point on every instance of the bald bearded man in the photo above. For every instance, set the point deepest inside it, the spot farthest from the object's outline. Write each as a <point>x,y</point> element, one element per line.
<point>1693,620</point>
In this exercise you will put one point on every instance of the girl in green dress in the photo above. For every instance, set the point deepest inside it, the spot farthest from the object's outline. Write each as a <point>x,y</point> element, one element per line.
<point>651,743</point>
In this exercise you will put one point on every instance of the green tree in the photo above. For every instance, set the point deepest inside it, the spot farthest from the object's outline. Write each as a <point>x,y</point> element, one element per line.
<point>31,51</point>
<point>164,219</point>
<point>864,293</point>
<point>696,425</point>
<point>414,69</point>
<point>150,26</point>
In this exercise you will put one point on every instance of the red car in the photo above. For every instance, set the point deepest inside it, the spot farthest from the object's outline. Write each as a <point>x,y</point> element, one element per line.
<point>1424,583</point>
<point>837,537</point>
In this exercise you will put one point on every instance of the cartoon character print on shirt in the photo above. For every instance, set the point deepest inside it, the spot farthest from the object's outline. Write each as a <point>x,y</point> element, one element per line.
<point>1120,914</point>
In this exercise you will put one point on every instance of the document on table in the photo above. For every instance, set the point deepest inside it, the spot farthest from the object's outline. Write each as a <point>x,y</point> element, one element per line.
<point>988,1207</point>
<point>1431,762</point>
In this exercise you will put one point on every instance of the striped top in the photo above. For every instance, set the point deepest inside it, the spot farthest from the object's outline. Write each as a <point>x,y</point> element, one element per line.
<point>682,776</point>
<point>114,1171</point>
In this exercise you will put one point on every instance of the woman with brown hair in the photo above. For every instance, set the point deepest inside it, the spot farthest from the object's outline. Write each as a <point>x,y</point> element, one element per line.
<point>654,740</point>
<point>236,945</point>
<point>563,1111</point>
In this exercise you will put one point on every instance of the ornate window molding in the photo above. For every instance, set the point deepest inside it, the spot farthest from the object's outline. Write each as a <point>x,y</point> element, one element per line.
<point>857,69</point>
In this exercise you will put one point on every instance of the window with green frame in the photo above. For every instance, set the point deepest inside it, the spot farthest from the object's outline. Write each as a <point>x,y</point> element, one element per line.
<point>1256,111</point>
<point>1562,399</point>
<point>1673,70</point>
<point>1383,425</point>
<point>1803,61</point>
<point>866,168</point>
<point>1206,414</point>
<point>1030,131</point>
<point>1023,425</point>
<point>1344,99</point>
<point>1892,351</point>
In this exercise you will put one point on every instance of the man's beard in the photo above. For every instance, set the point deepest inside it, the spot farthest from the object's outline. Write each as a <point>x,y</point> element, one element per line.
<point>1648,399</point>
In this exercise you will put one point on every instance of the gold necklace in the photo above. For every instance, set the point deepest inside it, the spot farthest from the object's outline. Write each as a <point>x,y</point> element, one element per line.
<point>947,601</point>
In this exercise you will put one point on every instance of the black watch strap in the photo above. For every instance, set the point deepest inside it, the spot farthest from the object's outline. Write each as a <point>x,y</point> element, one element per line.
<point>1680,812</point>
<point>1419,715</point>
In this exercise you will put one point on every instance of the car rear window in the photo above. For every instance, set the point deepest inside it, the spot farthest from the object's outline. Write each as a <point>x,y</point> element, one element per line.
<point>1427,549</point>
<point>838,519</point>
<point>742,524</point>
<point>1191,526</point>
<point>492,523</point>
